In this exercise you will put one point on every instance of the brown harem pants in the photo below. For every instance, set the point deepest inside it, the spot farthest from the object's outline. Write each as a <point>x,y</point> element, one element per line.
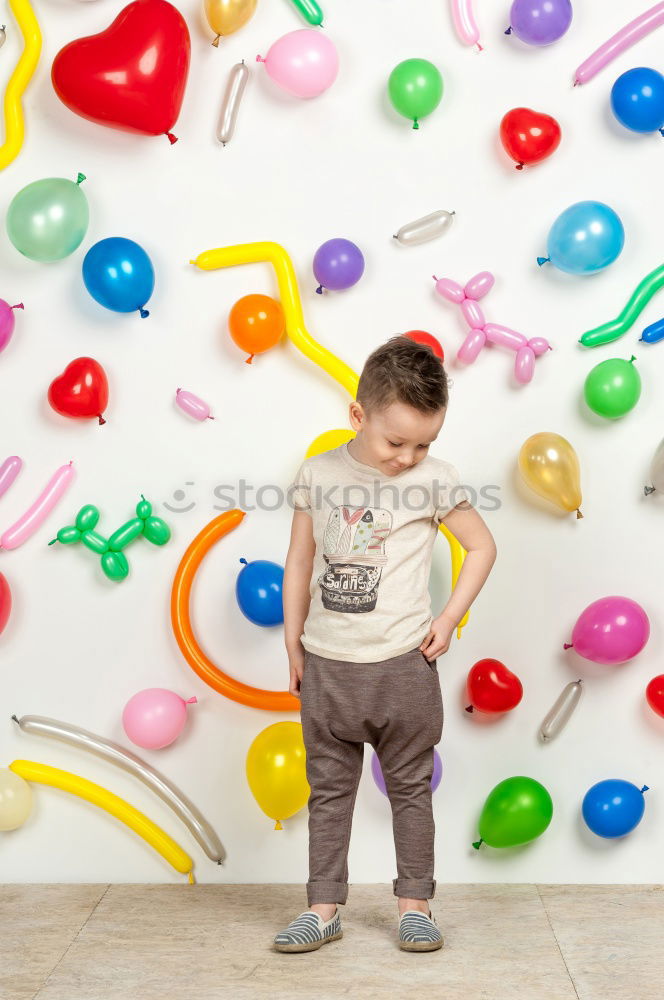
<point>395,705</point>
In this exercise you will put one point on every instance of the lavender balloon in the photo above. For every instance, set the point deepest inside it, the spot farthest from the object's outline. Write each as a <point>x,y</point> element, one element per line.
<point>377,772</point>
<point>338,264</point>
<point>540,22</point>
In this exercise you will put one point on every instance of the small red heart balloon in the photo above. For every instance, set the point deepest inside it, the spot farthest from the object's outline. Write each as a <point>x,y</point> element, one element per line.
<point>655,694</point>
<point>81,390</point>
<point>492,687</point>
<point>422,337</point>
<point>132,75</point>
<point>529,136</point>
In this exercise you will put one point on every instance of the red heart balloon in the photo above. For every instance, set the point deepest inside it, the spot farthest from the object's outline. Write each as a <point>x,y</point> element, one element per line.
<point>132,75</point>
<point>655,694</point>
<point>81,390</point>
<point>529,136</point>
<point>492,687</point>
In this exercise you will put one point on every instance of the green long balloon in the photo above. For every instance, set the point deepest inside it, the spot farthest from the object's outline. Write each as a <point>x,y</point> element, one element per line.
<point>310,11</point>
<point>615,328</point>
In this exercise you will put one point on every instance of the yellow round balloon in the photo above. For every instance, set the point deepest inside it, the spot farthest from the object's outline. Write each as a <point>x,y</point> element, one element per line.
<point>226,16</point>
<point>15,800</point>
<point>549,465</point>
<point>328,440</point>
<point>276,771</point>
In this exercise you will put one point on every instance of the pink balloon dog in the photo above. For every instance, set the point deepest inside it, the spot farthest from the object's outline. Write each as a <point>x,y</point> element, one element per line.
<point>611,630</point>
<point>464,23</point>
<point>482,332</point>
<point>618,43</point>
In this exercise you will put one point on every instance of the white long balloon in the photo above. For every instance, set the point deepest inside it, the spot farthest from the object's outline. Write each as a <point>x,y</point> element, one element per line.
<point>424,229</point>
<point>561,711</point>
<point>37,725</point>
<point>237,81</point>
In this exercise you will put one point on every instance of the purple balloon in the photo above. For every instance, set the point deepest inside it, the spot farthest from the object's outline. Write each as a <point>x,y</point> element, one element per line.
<point>610,630</point>
<point>540,22</point>
<point>338,264</point>
<point>377,772</point>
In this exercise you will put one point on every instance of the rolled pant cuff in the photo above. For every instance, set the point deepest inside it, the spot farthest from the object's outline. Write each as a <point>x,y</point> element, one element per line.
<point>414,888</point>
<point>327,892</point>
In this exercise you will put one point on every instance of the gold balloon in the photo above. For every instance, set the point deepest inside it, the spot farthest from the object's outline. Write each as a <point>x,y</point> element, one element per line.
<point>276,771</point>
<point>226,16</point>
<point>549,465</point>
<point>327,441</point>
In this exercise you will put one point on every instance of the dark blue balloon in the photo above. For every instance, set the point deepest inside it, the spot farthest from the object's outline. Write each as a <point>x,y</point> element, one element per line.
<point>637,100</point>
<point>119,274</point>
<point>259,592</point>
<point>613,807</point>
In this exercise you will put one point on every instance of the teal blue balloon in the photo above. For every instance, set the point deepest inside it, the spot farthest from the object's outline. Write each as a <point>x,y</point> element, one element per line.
<point>48,219</point>
<point>586,237</point>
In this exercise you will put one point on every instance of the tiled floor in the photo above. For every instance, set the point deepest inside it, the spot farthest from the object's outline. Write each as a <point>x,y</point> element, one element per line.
<point>502,942</point>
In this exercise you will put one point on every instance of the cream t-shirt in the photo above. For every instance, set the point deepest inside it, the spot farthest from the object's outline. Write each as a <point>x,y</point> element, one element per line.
<point>374,537</point>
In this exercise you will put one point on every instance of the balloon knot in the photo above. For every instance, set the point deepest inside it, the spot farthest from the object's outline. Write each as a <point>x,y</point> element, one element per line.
<point>81,178</point>
<point>192,701</point>
<point>648,490</point>
<point>278,825</point>
<point>101,419</point>
<point>260,59</point>
<point>53,541</point>
<point>243,560</point>
<point>480,48</point>
<point>19,306</point>
<point>416,124</point>
<point>519,166</point>
<point>144,313</point>
<point>216,42</point>
<point>15,719</point>
<point>646,788</point>
<point>478,844</point>
<point>579,515</point>
<point>249,359</point>
<point>633,358</point>
<point>661,131</point>
<point>470,708</point>
<point>508,31</point>
<point>543,260</point>
<point>434,278</point>
<point>568,645</point>
<point>191,879</point>
<point>171,138</point>
<point>319,290</point>
<point>576,83</point>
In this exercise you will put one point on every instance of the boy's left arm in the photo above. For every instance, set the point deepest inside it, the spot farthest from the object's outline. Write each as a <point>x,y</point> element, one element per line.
<point>472,533</point>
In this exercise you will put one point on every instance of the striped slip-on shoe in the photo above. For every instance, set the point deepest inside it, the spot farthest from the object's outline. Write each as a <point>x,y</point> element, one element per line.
<point>308,932</point>
<point>419,932</point>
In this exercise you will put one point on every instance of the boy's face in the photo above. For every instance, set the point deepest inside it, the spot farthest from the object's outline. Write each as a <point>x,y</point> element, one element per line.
<point>398,437</point>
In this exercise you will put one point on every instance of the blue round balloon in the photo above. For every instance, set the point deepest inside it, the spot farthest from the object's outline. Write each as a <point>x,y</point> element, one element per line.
<point>259,592</point>
<point>119,274</point>
<point>637,100</point>
<point>613,807</point>
<point>586,237</point>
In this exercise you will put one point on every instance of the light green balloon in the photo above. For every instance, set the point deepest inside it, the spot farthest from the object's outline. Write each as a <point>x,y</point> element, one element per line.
<point>415,88</point>
<point>612,388</point>
<point>48,219</point>
<point>516,811</point>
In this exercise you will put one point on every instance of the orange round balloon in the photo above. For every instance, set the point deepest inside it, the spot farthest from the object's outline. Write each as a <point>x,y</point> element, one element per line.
<point>256,323</point>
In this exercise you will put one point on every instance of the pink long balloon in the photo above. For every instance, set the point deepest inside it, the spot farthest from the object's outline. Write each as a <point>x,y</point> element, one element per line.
<point>524,364</point>
<point>9,470</point>
<point>471,346</point>
<point>43,505</point>
<point>193,405</point>
<point>622,40</point>
<point>464,22</point>
<point>497,334</point>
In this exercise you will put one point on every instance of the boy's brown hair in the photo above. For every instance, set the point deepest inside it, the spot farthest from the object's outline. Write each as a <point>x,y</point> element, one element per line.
<point>403,371</point>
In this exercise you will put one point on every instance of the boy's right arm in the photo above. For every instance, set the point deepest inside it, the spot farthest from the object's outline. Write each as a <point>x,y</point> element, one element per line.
<point>296,596</point>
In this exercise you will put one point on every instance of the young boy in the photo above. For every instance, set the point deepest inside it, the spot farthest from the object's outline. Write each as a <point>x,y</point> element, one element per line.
<point>361,641</point>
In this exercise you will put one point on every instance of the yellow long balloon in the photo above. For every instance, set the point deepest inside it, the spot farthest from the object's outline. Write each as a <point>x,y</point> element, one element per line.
<point>43,774</point>
<point>274,253</point>
<point>20,78</point>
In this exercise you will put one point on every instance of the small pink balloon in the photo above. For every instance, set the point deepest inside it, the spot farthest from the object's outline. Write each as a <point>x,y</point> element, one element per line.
<point>304,62</point>
<point>539,346</point>
<point>497,334</point>
<point>7,322</point>
<point>193,405</point>
<point>450,290</point>
<point>472,314</point>
<point>471,347</point>
<point>155,717</point>
<point>479,285</point>
<point>524,365</point>
<point>611,630</point>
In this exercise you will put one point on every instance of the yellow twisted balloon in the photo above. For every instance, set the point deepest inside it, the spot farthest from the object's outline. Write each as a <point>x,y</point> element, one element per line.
<point>20,78</point>
<point>273,253</point>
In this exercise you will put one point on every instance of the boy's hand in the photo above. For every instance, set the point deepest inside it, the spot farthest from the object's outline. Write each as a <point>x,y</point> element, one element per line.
<point>438,640</point>
<point>296,666</point>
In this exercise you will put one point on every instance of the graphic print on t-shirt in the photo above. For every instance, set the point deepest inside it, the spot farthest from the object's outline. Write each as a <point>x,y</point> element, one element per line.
<point>354,550</point>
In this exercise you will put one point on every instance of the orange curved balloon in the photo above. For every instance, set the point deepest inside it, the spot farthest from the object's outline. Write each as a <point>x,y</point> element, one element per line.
<point>256,323</point>
<point>200,662</point>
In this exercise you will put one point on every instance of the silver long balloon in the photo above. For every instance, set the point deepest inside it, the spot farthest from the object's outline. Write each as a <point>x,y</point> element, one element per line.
<point>656,471</point>
<point>37,725</point>
<point>237,81</point>
<point>424,229</point>
<point>561,711</point>
<point>3,35</point>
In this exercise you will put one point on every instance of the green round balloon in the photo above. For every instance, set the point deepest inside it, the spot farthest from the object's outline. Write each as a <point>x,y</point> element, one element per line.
<point>415,88</point>
<point>612,388</point>
<point>48,219</point>
<point>516,811</point>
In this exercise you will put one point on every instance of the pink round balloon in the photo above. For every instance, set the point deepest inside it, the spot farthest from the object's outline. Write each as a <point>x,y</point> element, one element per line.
<point>304,62</point>
<point>611,630</point>
<point>155,717</point>
<point>193,405</point>
<point>7,322</point>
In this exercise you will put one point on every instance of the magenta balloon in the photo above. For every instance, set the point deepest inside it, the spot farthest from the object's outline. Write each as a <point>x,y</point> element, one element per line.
<point>377,772</point>
<point>611,630</point>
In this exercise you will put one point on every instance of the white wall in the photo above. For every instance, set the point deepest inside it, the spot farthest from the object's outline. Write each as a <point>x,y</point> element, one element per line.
<point>78,647</point>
